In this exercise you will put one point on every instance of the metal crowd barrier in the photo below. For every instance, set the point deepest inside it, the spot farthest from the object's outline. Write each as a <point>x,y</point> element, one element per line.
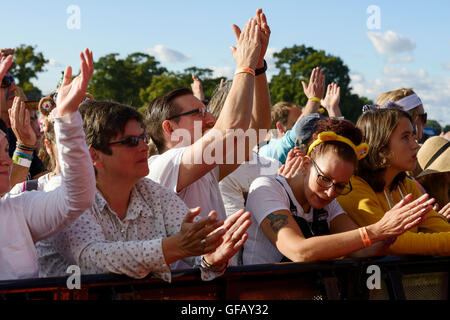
<point>400,278</point>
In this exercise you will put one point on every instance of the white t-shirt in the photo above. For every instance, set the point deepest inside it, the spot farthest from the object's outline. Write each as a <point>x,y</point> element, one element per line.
<point>234,187</point>
<point>266,196</point>
<point>203,193</point>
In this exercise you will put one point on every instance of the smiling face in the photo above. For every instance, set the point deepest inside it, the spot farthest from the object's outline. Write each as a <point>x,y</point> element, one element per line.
<point>333,167</point>
<point>5,164</point>
<point>126,163</point>
<point>403,147</point>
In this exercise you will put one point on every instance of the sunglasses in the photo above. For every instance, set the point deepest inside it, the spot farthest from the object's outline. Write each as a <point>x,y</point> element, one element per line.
<point>131,141</point>
<point>7,81</point>
<point>202,111</point>
<point>423,117</point>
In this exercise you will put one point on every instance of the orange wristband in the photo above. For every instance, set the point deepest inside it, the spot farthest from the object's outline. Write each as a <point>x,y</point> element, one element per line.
<point>245,70</point>
<point>365,237</point>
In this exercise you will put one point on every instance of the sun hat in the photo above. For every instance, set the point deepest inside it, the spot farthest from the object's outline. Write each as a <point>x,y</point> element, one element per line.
<point>434,156</point>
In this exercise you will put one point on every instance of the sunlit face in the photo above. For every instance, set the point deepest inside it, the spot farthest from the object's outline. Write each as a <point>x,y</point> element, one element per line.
<point>403,147</point>
<point>189,122</point>
<point>126,163</point>
<point>335,169</point>
<point>5,164</point>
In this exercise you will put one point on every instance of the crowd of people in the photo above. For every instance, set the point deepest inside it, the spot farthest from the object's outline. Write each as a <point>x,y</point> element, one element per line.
<point>210,184</point>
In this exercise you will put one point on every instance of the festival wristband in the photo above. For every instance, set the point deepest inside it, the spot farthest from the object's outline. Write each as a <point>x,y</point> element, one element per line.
<point>24,147</point>
<point>21,161</point>
<point>365,237</point>
<point>23,155</point>
<point>245,70</point>
<point>315,99</point>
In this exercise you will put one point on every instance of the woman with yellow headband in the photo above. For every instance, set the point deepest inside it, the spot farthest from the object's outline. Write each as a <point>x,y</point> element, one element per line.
<point>381,182</point>
<point>298,218</point>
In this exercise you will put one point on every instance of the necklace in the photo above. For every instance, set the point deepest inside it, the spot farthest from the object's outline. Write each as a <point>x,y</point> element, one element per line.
<point>391,201</point>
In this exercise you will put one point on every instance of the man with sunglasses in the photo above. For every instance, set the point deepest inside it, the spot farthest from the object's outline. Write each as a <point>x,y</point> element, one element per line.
<point>136,226</point>
<point>192,157</point>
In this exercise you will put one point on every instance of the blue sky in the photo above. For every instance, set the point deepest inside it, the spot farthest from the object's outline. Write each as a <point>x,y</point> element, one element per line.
<point>411,47</point>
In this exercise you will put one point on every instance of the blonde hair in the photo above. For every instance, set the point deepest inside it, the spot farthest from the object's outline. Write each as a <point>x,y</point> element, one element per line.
<point>396,95</point>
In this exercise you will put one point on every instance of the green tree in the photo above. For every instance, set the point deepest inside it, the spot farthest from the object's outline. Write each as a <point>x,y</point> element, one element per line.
<point>121,80</point>
<point>168,81</point>
<point>295,65</point>
<point>446,128</point>
<point>434,124</point>
<point>27,64</point>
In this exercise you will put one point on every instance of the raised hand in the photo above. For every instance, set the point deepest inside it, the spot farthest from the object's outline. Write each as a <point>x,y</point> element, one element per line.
<point>248,48</point>
<point>71,92</point>
<point>19,118</point>
<point>197,88</point>
<point>6,62</point>
<point>404,215</point>
<point>292,164</point>
<point>264,34</point>
<point>235,226</point>
<point>316,86</point>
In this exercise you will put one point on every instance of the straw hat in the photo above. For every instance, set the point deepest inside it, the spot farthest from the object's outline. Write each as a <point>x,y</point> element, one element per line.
<point>434,156</point>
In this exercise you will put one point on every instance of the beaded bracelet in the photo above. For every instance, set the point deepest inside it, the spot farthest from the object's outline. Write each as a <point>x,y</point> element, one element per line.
<point>24,147</point>
<point>211,267</point>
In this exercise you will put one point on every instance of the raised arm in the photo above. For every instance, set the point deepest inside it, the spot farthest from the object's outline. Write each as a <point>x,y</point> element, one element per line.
<point>48,213</point>
<point>236,113</point>
<point>331,100</point>
<point>19,118</point>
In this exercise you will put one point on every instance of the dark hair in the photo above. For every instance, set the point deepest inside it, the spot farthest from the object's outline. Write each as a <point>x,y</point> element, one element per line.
<point>343,128</point>
<point>104,120</point>
<point>159,110</point>
<point>377,126</point>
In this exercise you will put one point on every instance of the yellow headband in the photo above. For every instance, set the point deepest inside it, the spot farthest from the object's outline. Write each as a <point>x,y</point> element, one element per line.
<point>360,151</point>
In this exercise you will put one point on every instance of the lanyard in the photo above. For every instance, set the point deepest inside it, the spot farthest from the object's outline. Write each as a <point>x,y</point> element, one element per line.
<point>391,202</point>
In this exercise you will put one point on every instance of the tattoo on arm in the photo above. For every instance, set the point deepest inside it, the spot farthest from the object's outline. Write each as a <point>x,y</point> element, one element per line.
<point>277,221</point>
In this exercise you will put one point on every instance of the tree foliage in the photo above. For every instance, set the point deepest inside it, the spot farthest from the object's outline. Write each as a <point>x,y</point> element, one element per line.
<point>121,80</point>
<point>434,124</point>
<point>27,64</point>
<point>295,65</point>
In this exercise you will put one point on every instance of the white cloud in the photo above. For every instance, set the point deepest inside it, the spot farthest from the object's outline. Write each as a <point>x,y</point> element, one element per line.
<point>433,90</point>
<point>390,42</point>
<point>53,63</point>
<point>223,71</point>
<point>446,66</point>
<point>165,54</point>
<point>399,59</point>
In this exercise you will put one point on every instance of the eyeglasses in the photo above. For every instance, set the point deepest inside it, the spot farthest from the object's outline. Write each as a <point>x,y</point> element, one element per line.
<point>327,183</point>
<point>423,117</point>
<point>7,81</point>
<point>202,111</point>
<point>131,141</point>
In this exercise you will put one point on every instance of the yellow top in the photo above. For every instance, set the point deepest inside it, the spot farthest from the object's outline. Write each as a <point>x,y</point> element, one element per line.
<point>365,207</point>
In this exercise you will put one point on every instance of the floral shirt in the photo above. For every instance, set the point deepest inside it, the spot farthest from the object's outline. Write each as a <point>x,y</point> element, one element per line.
<point>99,242</point>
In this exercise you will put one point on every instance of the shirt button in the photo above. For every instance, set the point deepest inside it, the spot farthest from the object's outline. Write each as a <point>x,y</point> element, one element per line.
<point>123,230</point>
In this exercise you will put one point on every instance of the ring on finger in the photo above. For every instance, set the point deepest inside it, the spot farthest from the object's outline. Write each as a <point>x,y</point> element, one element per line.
<point>203,242</point>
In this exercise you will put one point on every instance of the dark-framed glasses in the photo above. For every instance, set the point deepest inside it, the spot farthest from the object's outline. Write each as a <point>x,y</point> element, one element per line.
<point>131,141</point>
<point>327,183</point>
<point>202,111</point>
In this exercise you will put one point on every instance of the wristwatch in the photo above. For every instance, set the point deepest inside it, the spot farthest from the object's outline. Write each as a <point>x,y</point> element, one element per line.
<point>261,70</point>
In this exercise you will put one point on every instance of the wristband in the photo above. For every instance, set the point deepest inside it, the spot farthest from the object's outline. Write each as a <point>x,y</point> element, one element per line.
<point>245,70</point>
<point>208,266</point>
<point>24,147</point>
<point>314,99</point>
<point>365,237</point>
<point>21,161</point>
<point>261,70</point>
<point>23,155</point>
